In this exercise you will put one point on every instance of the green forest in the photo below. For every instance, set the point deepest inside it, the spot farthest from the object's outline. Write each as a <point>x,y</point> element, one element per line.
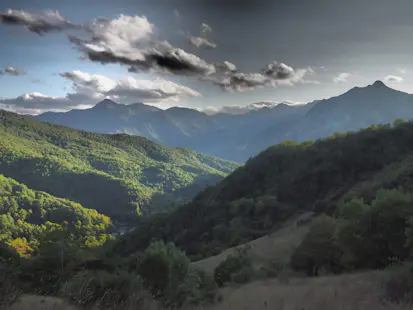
<point>120,176</point>
<point>28,217</point>
<point>281,182</point>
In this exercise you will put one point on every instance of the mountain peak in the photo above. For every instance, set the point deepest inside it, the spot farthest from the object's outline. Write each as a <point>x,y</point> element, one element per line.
<point>378,83</point>
<point>106,103</point>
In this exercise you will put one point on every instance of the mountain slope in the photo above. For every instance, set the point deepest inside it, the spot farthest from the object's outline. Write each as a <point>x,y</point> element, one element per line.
<point>358,108</point>
<point>118,175</point>
<point>281,182</point>
<point>240,136</point>
<point>29,214</point>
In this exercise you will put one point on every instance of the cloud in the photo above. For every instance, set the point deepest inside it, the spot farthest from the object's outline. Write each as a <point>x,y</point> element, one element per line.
<point>393,79</point>
<point>130,41</point>
<point>401,70</point>
<point>173,60</point>
<point>205,28</point>
<point>272,75</point>
<point>226,67</point>
<point>88,89</point>
<point>38,22</point>
<point>201,42</point>
<point>341,77</point>
<point>13,71</point>
<point>236,109</point>
<point>278,71</point>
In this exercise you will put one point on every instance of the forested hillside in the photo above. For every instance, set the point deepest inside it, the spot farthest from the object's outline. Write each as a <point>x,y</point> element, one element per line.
<point>118,175</point>
<point>28,216</point>
<point>283,181</point>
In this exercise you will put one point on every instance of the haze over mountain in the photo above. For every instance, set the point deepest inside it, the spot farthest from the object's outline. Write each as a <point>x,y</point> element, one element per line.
<point>241,135</point>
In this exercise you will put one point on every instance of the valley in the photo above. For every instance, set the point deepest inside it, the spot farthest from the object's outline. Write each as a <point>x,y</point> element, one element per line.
<point>79,207</point>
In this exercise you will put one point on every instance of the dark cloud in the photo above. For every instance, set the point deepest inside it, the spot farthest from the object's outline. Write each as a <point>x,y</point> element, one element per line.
<point>239,82</point>
<point>38,22</point>
<point>13,71</point>
<point>278,71</point>
<point>272,75</point>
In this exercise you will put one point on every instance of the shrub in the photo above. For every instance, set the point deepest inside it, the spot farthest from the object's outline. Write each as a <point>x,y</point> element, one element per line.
<point>104,289</point>
<point>236,267</point>
<point>9,288</point>
<point>398,287</point>
<point>167,275</point>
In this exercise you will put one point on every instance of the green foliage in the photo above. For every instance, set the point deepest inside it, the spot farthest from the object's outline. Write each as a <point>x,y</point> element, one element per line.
<point>119,175</point>
<point>282,182</point>
<point>236,268</point>
<point>319,250</point>
<point>26,216</point>
<point>375,235</point>
<point>166,273</point>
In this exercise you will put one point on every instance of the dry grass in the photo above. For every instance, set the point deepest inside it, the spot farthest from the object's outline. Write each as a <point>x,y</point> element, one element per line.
<point>279,245</point>
<point>362,291</point>
<point>33,302</point>
<point>348,292</point>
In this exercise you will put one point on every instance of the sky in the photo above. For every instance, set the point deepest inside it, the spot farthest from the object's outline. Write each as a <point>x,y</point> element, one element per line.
<point>57,55</point>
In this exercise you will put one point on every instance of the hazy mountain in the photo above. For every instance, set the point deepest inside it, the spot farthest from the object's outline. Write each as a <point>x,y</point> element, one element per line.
<point>237,136</point>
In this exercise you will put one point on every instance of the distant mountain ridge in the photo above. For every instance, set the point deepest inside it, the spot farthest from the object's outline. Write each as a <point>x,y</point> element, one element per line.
<point>240,136</point>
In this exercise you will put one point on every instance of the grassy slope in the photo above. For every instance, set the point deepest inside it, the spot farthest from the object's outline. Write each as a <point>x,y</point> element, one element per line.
<point>115,174</point>
<point>278,245</point>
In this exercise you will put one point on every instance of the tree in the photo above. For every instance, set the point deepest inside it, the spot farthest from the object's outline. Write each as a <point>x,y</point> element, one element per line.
<point>319,249</point>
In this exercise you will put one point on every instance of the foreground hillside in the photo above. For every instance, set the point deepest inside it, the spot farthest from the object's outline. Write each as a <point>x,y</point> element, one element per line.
<point>118,175</point>
<point>283,181</point>
<point>238,137</point>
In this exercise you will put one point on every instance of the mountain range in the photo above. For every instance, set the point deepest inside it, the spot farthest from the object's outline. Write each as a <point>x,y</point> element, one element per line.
<point>240,136</point>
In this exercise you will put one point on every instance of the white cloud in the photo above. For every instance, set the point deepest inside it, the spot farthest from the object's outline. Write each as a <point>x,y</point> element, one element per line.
<point>401,70</point>
<point>88,89</point>
<point>12,71</point>
<point>393,79</point>
<point>38,22</point>
<point>205,28</point>
<point>201,42</point>
<point>236,109</point>
<point>130,40</point>
<point>341,77</point>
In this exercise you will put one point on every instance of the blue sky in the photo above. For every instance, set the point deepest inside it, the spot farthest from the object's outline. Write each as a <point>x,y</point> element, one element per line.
<point>363,42</point>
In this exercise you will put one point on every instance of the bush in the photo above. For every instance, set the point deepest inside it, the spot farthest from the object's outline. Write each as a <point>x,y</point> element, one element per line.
<point>104,289</point>
<point>235,268</point>
<point>398,287</point>
<point>272,269</point>
<point>167,275</point>
<point>9,288</point>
